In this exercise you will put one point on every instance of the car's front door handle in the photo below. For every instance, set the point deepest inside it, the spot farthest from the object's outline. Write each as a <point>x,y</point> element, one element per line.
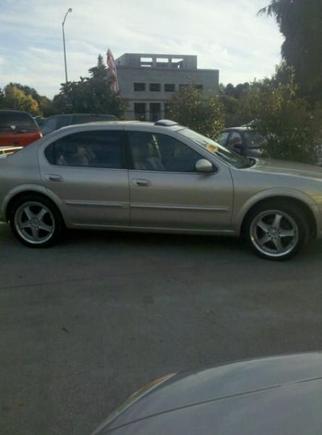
<point>54,177</point>
<point>142,182</point>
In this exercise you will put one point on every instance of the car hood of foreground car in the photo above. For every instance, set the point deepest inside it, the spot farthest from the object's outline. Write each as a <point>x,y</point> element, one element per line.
<point>276,395</point>
<point>283,167</point>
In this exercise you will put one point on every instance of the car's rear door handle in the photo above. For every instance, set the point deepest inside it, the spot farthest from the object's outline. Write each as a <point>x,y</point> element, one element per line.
<point>142,182</point>
<point>54,177</point>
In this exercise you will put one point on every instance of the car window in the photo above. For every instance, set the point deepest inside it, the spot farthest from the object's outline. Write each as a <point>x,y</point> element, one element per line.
<point>62,121</point>
<point>160,152</point>
<point>235,139</point>
<point>18,122</point>
<point>254,139</point>
<point>99,149</point>
<point>222,138</point>
<point>49,125</point>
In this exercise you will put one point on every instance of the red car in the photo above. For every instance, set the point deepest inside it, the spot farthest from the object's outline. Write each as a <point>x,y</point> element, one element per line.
<point>17,128</point>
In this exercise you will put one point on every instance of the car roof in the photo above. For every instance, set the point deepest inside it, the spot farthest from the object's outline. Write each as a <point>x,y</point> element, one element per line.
<point>242,128</point>
<point>20,112</point>
<point>216,389</point>
<point>130,125</point>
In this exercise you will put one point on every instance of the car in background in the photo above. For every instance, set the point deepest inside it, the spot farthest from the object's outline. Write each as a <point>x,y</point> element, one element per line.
<point>55,122</point>
<point>269,396</point>
<point>242,140</point>
<point>9,150</point>
<point>17,129</point>
<point>40,120</point>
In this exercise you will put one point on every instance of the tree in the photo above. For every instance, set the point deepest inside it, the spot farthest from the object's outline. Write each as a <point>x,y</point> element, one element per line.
<point>44,103</point>
<point>300,23</point>
<point>201,113</point>
<point>90,94</point>
<point>15,98</point>
<point>291,126</point>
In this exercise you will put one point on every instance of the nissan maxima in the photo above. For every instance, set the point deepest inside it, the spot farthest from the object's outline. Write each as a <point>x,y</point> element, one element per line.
<point>159,177</point>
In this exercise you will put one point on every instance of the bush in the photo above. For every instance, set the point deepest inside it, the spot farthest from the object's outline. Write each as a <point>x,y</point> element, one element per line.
<point>204,114</point>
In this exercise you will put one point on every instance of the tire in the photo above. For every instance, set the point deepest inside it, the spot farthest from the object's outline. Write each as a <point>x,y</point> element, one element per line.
<point>276,230</point>
<point>35,221</point>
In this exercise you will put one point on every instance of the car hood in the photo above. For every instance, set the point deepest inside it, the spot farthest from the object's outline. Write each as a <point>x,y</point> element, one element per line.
<point>275,380</point>
<point>283,167</point>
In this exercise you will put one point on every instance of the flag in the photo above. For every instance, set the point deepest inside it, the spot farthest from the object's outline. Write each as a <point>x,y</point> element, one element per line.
<point>112,71</point>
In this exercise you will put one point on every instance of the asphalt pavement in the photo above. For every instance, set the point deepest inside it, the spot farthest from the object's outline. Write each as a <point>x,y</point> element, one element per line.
<point>86,323</point>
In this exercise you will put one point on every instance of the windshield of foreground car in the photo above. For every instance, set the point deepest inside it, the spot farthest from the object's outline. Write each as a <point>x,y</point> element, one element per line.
<point>213,147</point>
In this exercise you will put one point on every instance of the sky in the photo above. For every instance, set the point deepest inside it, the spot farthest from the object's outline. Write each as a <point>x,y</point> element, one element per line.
<point>225,34</point>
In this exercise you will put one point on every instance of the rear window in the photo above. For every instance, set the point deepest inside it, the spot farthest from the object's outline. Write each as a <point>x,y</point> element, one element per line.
<point>19,122</point>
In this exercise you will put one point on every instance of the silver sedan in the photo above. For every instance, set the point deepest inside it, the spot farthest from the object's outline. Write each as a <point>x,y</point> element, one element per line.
<point>158,177</point>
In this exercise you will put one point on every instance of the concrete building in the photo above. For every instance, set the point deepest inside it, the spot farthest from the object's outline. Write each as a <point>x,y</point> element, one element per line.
<point>148,81</point>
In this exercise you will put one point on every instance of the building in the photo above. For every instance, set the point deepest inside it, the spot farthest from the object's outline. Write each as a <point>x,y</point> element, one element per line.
<point>148,81</point>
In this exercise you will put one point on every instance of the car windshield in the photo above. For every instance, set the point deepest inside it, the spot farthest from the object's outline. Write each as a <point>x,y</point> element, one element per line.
<point>254,139</point>
<point>18,122</point>
<point>213,147</point>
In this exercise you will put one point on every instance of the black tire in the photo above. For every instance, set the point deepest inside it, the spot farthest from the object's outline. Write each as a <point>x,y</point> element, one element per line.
<point>292,216</point>
<point>52,219</point>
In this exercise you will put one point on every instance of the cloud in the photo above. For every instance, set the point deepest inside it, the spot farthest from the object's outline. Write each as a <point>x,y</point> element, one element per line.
<point>227,35</point>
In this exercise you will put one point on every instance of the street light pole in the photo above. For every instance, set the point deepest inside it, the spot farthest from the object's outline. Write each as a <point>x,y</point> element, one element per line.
<point>64,43</point>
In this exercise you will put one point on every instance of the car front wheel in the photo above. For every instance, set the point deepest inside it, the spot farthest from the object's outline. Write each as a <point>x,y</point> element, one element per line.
<point>277,231</point>
<point>35,221</point>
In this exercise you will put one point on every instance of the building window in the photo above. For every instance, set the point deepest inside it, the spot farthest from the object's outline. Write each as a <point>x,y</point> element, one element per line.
<point>155,111</point>
<point>139,87</point>
<point>155,87</point>
<point>182,87</point>
<point>139,111</point>
<point>199,87</point>
<point>146,62</point>
<point>168,87</point>
<point>162,62</point>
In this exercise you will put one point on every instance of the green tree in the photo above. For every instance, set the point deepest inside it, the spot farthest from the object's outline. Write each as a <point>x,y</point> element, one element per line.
<point>90,94</point>
<point>191,108</point>
<point>300,21</point>
<point>17,99</point>
<point>289,123</point>
<point>44,103</point>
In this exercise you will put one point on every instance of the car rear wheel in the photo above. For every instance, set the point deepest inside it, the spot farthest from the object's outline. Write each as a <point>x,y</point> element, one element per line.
<point>277,231</point>
<point>35,221</point>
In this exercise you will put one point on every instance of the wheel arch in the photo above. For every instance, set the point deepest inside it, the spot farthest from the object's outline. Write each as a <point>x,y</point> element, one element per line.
<point>16,194</point>
<point>300,200</point>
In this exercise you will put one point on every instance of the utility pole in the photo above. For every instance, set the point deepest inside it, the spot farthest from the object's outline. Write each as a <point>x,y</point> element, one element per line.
<point>64,42</point>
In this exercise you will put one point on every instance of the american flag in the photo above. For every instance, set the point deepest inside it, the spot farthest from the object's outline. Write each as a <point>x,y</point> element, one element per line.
<point>112,71</point>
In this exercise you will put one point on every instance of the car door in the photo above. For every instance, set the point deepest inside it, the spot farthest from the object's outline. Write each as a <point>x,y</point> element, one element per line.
<point>166,191</point>
<point>86,171</point>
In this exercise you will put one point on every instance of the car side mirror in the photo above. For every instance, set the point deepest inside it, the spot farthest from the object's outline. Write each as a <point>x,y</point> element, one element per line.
<point>204,165</point>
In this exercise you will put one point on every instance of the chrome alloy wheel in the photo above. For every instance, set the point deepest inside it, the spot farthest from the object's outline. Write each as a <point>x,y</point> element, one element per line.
<point>34,222</point>
<point>274,233</point>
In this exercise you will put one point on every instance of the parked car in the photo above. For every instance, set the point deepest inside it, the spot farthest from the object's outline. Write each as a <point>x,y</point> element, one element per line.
<point>17,128</point>
<point>269,396</point>
<point>9,150</point>
<point>55,122</point>
<point>40,120</point>
<point>242,140</point>
<point>158,177</point>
